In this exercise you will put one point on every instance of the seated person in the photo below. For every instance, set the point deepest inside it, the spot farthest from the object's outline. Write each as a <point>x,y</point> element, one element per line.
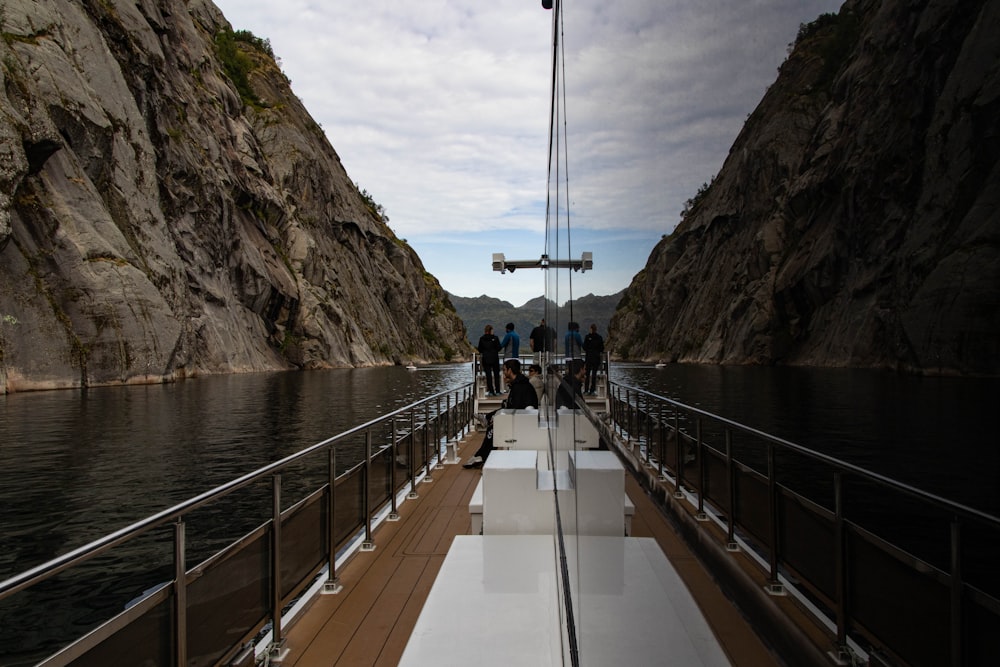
<point>536,380</point>
<point>571,385</point>
<point>522,395</point>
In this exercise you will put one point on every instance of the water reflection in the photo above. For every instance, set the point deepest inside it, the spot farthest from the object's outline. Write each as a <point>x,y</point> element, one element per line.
<point>75,465</point>
<point>930,432</point>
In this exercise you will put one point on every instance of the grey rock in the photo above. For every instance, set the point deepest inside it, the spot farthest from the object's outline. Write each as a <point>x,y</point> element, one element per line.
<point>855,221</point>
<point>154,226</point>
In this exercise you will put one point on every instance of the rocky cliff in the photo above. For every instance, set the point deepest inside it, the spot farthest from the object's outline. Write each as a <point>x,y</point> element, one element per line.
<point>168,208</point>
<point>856,220</point>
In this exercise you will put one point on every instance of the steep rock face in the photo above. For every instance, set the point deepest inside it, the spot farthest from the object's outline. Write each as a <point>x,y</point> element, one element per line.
<point>855,221</point>
<point>154,225</point>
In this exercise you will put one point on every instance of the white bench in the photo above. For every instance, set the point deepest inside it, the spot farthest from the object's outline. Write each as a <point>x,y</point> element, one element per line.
<point>514,497</point>
<point>575,431</point>
<point>519,429</point>
<point>522,430</point>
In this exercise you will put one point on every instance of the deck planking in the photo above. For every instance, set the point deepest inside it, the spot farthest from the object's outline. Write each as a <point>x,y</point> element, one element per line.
<point>370,621</point>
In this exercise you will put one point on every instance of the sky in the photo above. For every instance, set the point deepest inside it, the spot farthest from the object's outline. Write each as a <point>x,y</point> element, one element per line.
<point>439,109</point>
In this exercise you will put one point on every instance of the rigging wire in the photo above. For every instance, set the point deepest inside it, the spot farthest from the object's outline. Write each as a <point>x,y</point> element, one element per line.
<point>552,235</point>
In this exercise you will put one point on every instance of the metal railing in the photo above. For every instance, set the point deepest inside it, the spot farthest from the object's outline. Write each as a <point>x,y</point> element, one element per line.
<point>210,614</point>
<point>906,574</point>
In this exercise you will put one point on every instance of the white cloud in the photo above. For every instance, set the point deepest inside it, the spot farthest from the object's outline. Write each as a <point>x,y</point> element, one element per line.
<point>439,109</point>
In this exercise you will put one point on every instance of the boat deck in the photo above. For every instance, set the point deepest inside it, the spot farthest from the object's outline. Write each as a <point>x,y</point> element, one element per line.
<point>369,622</point>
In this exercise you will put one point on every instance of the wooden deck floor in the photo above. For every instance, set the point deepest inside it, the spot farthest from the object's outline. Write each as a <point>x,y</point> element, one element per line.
<point>369,622</point>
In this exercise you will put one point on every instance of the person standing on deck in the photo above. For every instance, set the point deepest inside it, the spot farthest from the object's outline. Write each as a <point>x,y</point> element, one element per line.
<point>522,395</point>
<point>573,342</point>
<point>593,348</point>
<point>512,339</point>
<point>542,338</point>
<point>489,350</point>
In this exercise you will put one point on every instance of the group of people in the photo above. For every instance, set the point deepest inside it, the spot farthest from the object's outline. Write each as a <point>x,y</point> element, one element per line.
<point>592,347</point>
<point>526,391</point>
<point>541,339</point>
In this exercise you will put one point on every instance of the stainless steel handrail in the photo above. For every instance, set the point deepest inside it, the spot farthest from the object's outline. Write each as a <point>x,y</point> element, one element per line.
<point>837,464</point>
<point>52,567</point>
<point>630,406</point>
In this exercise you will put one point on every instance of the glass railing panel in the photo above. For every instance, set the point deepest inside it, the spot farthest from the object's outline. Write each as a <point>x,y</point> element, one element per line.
<point>807,543</point>
<point>303,543</point>
<point>144,640</point>
<point>380,482</point>
<point>229,598</point>
<point>919,536</point>
<point>60,606</point>
<point>751,505</point>
<point>54,613</point>
<point>884,590</point>
<point>716,479</point>
<point>349,515</point>
<point>980,620</point>
<point>218,524</point>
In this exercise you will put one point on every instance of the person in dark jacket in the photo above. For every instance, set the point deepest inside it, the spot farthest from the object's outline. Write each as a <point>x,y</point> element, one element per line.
<point>489,350</point>
<point>522,395</point>
<point>571,384</point>
<point>593,348</point>
<point>542,338</point>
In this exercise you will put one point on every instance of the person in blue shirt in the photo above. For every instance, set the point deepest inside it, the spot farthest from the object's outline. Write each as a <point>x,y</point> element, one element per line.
<point>573,341</point>
<point>513,339</point>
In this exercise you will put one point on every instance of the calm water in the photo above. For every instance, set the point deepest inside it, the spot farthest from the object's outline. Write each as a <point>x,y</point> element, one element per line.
<point>75,465</point>
<point>935,433</point>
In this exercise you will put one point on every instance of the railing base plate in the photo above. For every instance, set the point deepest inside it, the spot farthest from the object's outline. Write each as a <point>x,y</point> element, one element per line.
<point>776,590</point>
<point>331,588</point>
<point>393,516</point>
<point>368,546</point>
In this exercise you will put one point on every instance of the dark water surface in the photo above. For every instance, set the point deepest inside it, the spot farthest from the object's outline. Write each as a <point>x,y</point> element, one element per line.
<point>935,433</point>
<point>76,465</point>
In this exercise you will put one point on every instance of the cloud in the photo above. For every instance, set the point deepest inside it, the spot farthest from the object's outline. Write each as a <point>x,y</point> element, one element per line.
<point>440,109</point>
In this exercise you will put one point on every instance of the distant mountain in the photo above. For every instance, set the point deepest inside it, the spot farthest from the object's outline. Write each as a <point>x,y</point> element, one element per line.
<point>477,312</point>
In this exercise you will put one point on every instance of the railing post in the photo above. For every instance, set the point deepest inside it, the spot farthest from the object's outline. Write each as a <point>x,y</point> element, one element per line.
<point>774,586</point>
<point>437,432</point>
<point>649,427</point>
<point>368,544</point>
<point>276,649</point>
<point>731,544</point>
<point>840,546</point>
<point>427,459</point>
<point>628,416</point>
<point>451,444</point>
<point>956,592</point>
<point>394,452</point>
<point>702,472</point>
<point>410,456</point>
<point>332,584</point>
<point>180,594</point>
<point>662,443</point>
<point>679,464</point>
